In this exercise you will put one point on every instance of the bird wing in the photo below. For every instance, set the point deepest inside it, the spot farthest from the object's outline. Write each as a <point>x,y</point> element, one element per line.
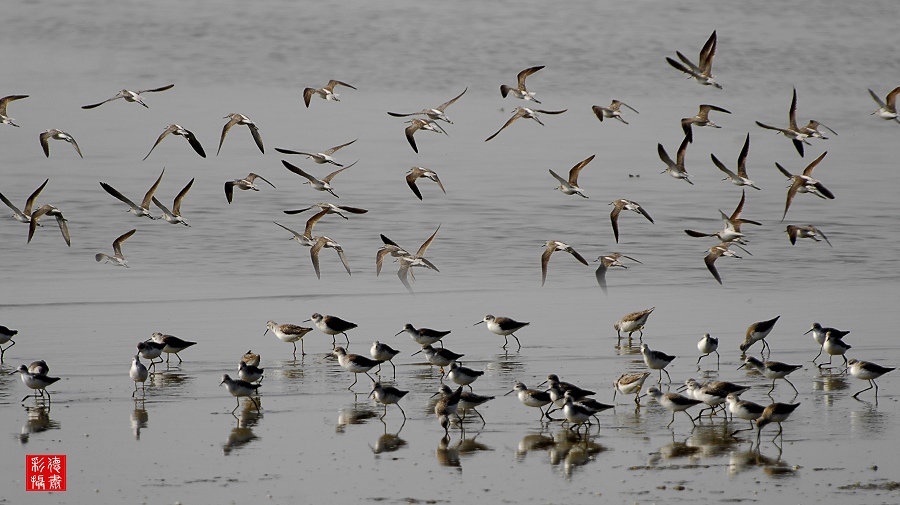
<point>336,148</point>
<point>192,140</point>
<point>558,178</point>
<point>11,205</point>
<point>792,113</point>
<point>117,243</point>
<point>314,255</point>
<point>307,94</point>
<point>311,223</point>
<point>708,53</point>
<point>29,203</point>
<point>169,129</point>
<point>155,90</point>
<point>710,261</point>
<point>520,77</point>
<point>231,122</point>
<point>332,83</point>
<point>145,203</point>
<point>614,218</point>
<point>576,170</point>
<point>448,103</point>
<point>742,158</point>
<point>410,130</point>
<point>297,170</point>
<point>229,190</point>
<point>288,229</point>
<point>114,192</point>
<point>427,243</point>
<point>411,178</point>
<point>252,177</point>
<point>809,168</point>
<point>509,121</point>
<point>176,207</point>
<point>98,104</point>
<point>545,259</point>
<point>340,252</point>
<point>722,167</point>
<point>330,176</point>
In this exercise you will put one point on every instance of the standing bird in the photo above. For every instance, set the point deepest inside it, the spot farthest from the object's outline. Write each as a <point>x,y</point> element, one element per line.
<point>701,119</point>
<point>503,326</point>
<point>332,325</point>
<point>24,215</point>
<point>445,407</point>
<point>4,118</point>
<point>118,259</point>
<point>520,91</point>
<point>355,364</point>
<point>804,183</point>
<point>675,168</point>
<point>130,96</point>
<point>240,119</point>
<point>249,372</point>
<point>424,336</point>
<point>673,402</point>
<point>36,381</point>
<point>142,210</point>
<point>834,346</point>
<point>607,262</point>
<point>188,135</point>
<point>867,371</point>
<point>743,409</point>
<point>463,376</point>
<point>531,397</point>
<point>702,71</point>
<point>630,383</point>
<point>633,322</point>
<point>382,352</point>
<point>627,205</point>
<point>809,231</point>
<point>820,333</point>
<point>758,331</point>
<point>613,111</point>
<point>772,370</point>
<point>239,388</point>
<point>243,184</point>
<point>6,335</point>
<point>319,185</point>
<point>525,112</point>
<point>437,113</point>
<point>49,210</point>
<point>417,124</point>
<point>555,245</point>
<point>739,178</point>
<point>173,345</point>
<point>55,134</point>
<point>774,413</point>
<point>326,93</point>
<point>570,186</point>
<point>387,395</point>
<point>797,135</point>
<point>888,110</point>
<point>322,157</point>
<point>656,360</point>
<point>151,350</point>
<point>289,333</point>
<point>138,373</point>
<point>439,357</point>
<point>416,173</point>
<point>174,216</point>
<point>467,401</point>
<point>708,345</point>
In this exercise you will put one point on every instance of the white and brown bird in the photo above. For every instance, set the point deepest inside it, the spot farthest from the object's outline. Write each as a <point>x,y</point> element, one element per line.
<point>797,135</point>
<point>550,247</point>
<point>4,118</point>
<point>408,261</point>
<point>244,184</point>
<point>321,242</point>
<point>436,113</point>
<point>633,322</point>
<point>702,71</point>
<point>675,168</point>
<point>701,119</point>
<point>607,262</point>
<point>417,124</point>
<point>714,253</point>
<point>118,259</point>
<point>323,184</point>
<point>867,371</point>
<point>130,96</point>
<point>808,231</point>
<point>732,230</point>
<point>525,112</point>
<point>240,119</point>
<point>24,215</point>
<point>49,210</point>
<point>416,173</point>
<point>174,216</point>
<point>142,210</point>
<point>627,205</point>
<point>53,134</point>
<point>188,135</point>
<point>570,186</point>
<point>306,238</point>
<point>322,157</point>
<point>887,109</point>
<point>804,183</point>
<point>326,93</point>
<point>613,111</point>
<point>520,91</point>
<point>758,331</point>
<point>739,178</point>
<point>331,208</point>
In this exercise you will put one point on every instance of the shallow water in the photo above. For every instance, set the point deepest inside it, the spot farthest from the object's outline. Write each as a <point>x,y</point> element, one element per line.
<point>220,280</point>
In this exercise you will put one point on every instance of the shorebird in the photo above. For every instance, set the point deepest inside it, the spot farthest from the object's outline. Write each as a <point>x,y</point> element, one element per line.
<point>130,96</point>
<point>630,383</point>
<point>613,111</point>
<point>812,130</point>
<point>326,93</point>
<point>407,261</point>
<point>713,253</point>
<point>804,183</point>
<point>39,367</point>
<point>467,401</point>
<point>674,402</point>
<point>319,185</point>
<point>656,360</point>
<point>702,71</point>
<point>24,215</point>
<point>712,393</point>
<point>739,178</point>
<point>772,370</point>
<point>174,216</point>
<point>36,381</point>
<point>520,91</point>
<point>240,119</point>
<point>417,124</point>
<point>439,357</point>
<point>387,395</point>
<point>250,373</point>
<point>708,345</point>
<point>188,135</point>
<point>525,112</point>
<point>289,333</point>
<point>322,242</point>
<point>331,208</point>
<point>558,390</point>
<point>118,259</point>
<point>437,113</point>
<point>701,119</point>
<point>151,350</point>
<point>633,322</point>
<point>49,210</point>
<point>355,364</point>
<point>570,186</point>
<point>382,352</point>
<point>322,157</point>
<point>173,345</point>
<point>446,406</point>
<point>250,358</point>
<point>732,230</point>
<point>743,409</point>
<point>138,373</point>
<point>243,184</point>
<point>793,132</point>
<point>424,336</point>
<point>809,231</point>
<point>834,346</point>
<point>531,397</point>
<point>142,210</point>
<point>758,331</point>
<point>463,376</point>
<point>418,172</point>
<point>4,119</point>
<point>675,168</point>
<point>820,333</point>
<point>6,335</point>
<point>55,134</point>
<point>627,205</point>
<point>867,371</point>
<point>774,413</point>
<point>503,326</point>
<point>887,110</point>
<point>577,414</point>
<point>555,245</point>
<point>239,388</point>
<point>332,325</point>
<point>607,262</point>
<point>306,238</point>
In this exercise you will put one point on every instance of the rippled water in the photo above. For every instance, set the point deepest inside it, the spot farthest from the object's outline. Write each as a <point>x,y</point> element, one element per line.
<point>218,281</point>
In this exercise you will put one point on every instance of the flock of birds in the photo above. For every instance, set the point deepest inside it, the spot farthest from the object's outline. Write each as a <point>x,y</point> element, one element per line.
<point>572,400</point>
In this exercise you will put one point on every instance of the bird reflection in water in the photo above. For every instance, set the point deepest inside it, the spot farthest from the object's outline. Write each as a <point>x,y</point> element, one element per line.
<point>139,418</point>
<point>449,454</point>
<point>533,442</point>
<point>713,440</point>
<point>358,413</point>
<point>573,450</point>
<point>742,461</point>
<point>389,442</point>
<point>506,366</point>
<point>171,380</point>
<point>242,434</point>
<point>674,451</point>
<point>38,421</point>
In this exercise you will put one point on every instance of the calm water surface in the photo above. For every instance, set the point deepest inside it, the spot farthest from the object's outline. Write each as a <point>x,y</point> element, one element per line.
<point>220,280</point>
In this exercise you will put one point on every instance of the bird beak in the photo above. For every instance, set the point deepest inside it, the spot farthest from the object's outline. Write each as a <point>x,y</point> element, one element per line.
<point>479,322</point>
<point>807,331</point>
<point>399,332</point>
<point>432,396</point>
<point>417,352</point>
<point>541,384</point>
<point>682,388</point>
<point>510,391</point>
<point>742,366</point>
<point>307,320</point>
<point>267,331</point>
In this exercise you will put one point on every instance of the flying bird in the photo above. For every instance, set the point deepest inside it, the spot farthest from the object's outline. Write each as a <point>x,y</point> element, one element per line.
<point>804,183</point>
<point>184,132</point>
<point>713,253</point>
<point>174,216</point>
<point>525,112</point>
<point>417,124</point>
<point>550,247</point>
<point>142,210</point>
<point>793,132</point>
<point>607,262</point>
<point>326,93</point>
<point>4,118</point>
<point>320,185</point>
<point>570,186</point>
<point>55,134</point>
<point>627,205</point>
<point>520,91</point>
<point>613,111</point>
<point>702,71</point>
<point>808,231</point>
<point>243,184</point>
<point>322,157</point>
<point>240,119</point>
<point>24,215</point>
<point>332,209</point>
<point>437,113</point>
<point>887,109</point>
<point>701,119</point>
<point>49,210</point>
<point>416,173</point>
<point>739,178</point>
<point>732,230</point>
<point>129,96</point>
<point>675,168</point>
<point>118,259</point>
